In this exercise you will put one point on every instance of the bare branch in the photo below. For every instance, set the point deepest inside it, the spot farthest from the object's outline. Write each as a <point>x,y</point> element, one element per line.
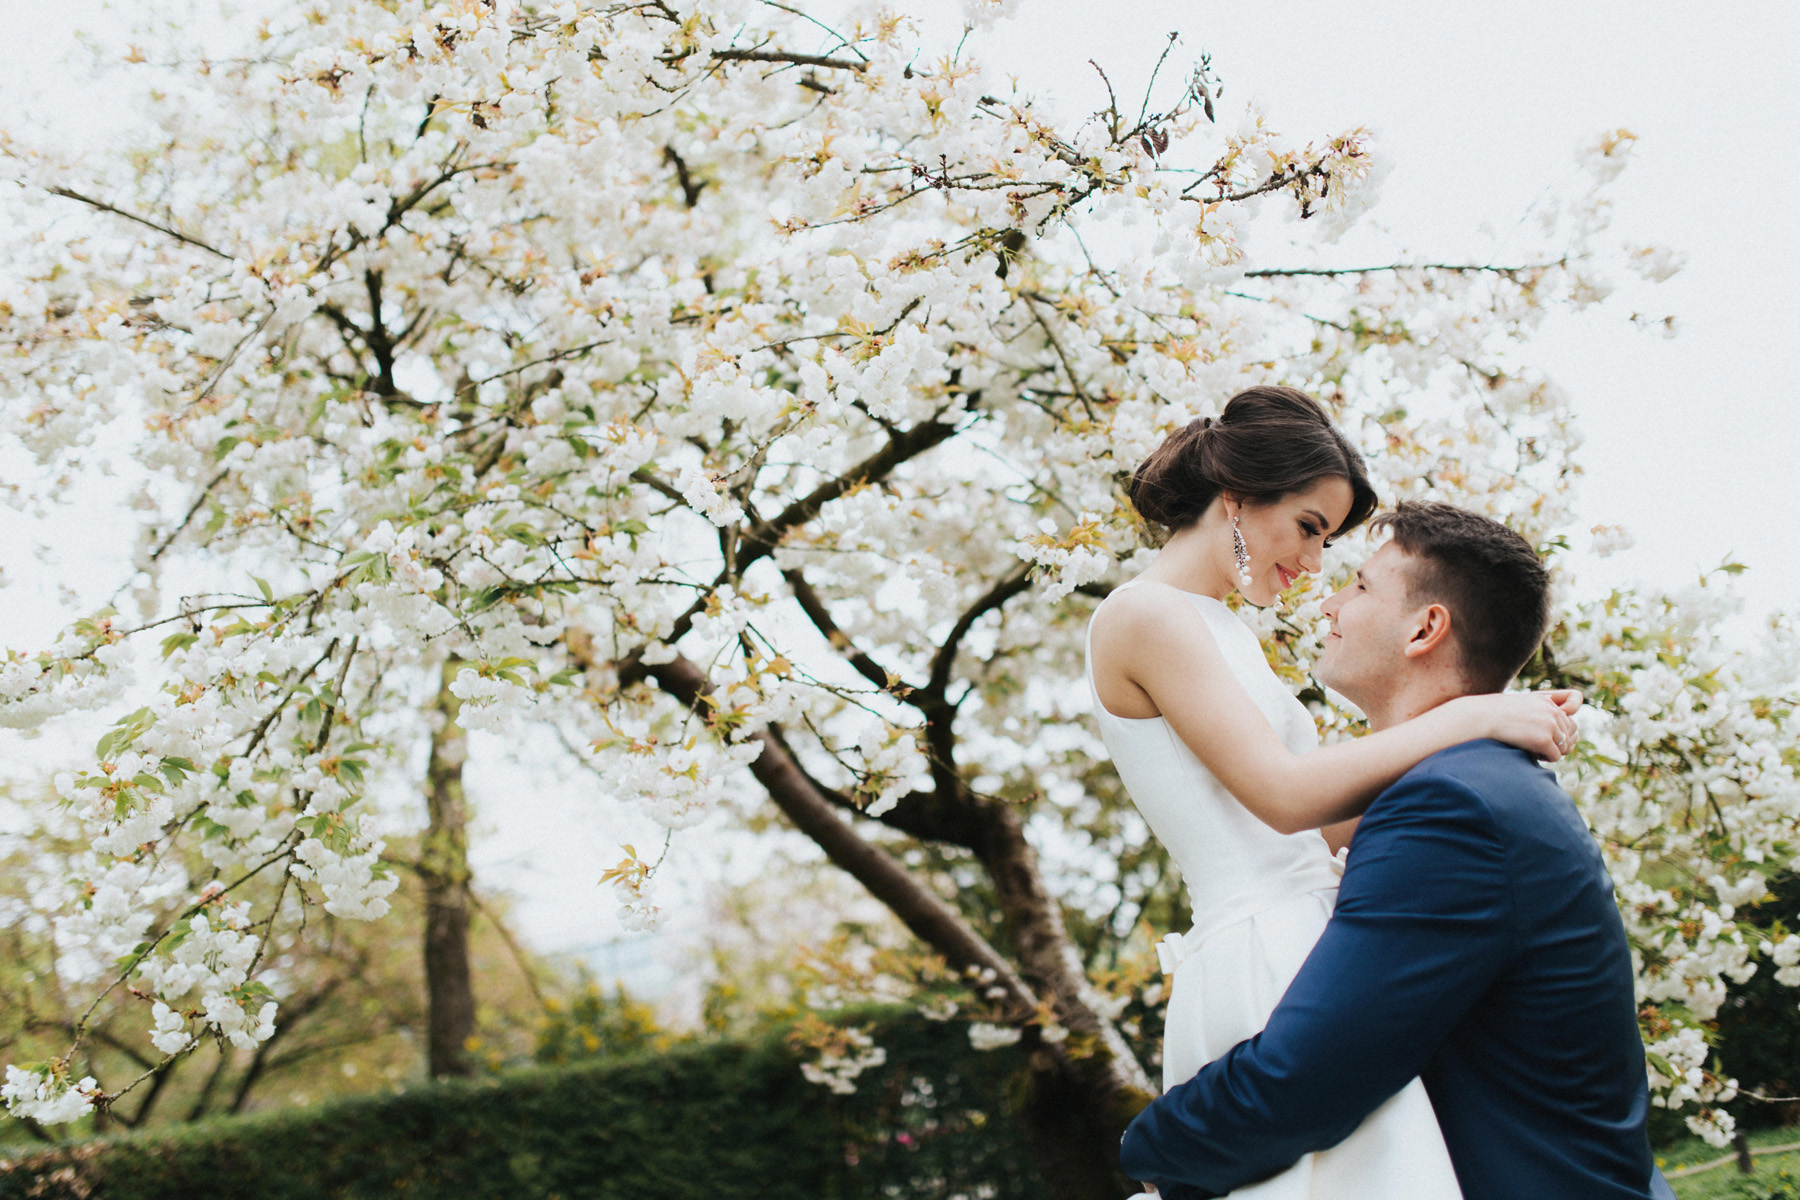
<point>1061,355</point>
<point>192,512</point>
<point>513,947</point>
<point>103,206</point>
<point>337,693</point>
<point>782,56</point>
<point>1468,268</point>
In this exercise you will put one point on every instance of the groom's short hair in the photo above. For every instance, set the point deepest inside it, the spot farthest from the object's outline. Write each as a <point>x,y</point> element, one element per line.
<point>1491,580</point>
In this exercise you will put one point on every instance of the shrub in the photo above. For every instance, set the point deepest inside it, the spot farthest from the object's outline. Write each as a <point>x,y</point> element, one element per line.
<point>714,1121</point>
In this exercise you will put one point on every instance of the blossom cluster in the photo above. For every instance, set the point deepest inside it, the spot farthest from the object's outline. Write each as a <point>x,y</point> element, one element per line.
<point>837,1067</point>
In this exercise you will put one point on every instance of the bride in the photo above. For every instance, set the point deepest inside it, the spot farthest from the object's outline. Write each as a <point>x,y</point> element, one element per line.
<point>1224,763</point>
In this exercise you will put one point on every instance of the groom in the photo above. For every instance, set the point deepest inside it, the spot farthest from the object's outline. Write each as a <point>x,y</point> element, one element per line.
<point>1475,940</point>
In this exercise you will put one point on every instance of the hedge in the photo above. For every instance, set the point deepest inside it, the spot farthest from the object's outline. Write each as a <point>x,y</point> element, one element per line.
<point>712,1121</point>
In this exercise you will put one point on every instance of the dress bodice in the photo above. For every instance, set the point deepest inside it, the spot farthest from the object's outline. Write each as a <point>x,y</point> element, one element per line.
<point>1232,863</point>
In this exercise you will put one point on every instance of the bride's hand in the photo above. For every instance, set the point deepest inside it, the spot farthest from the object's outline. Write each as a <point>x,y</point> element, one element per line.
<point>1541,723</point>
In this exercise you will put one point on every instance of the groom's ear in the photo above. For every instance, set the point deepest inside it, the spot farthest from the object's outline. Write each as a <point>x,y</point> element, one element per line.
<point>1430,629</point>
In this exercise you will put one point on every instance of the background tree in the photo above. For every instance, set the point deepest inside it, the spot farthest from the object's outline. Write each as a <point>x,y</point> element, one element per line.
<point>354,999</point>
<point>742,399</point>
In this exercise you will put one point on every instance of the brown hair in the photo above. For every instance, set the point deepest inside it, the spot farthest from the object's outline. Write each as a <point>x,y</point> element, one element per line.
<point>1270,442</point>
<point>1490,579</point>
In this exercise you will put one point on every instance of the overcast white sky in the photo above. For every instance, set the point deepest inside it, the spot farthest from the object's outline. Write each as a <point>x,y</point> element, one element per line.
<point>1691,443</point>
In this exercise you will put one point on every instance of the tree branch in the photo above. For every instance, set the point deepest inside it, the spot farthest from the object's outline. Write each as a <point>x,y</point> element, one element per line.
<point>1061,356</point>
<point>1324,272</point>
<point>932,920</point>
<point>945,659</point>
<point>291,1020</point>
<point>953,818</point>
<point>192,512</point>
<point>762,538</point>
<point>103,206</point>
<point>761,541</point>
<point>782,56</point>
<point>512,945</point>
<point>814,608</point>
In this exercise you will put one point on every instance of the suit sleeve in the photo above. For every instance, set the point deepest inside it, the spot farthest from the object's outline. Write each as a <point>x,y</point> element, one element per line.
<point>1423,924</point>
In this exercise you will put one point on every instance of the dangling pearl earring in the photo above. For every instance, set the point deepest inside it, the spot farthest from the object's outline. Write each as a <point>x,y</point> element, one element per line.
<point>1242,552</point>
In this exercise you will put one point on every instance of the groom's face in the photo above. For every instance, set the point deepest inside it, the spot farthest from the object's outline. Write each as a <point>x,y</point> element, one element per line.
<point>1372,619</point>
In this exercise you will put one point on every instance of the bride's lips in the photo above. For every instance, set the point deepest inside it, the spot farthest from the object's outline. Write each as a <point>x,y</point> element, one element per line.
<point>1287,577</point>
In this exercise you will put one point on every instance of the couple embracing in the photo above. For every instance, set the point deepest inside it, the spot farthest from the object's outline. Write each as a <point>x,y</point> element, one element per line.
<point>1447,1010</point>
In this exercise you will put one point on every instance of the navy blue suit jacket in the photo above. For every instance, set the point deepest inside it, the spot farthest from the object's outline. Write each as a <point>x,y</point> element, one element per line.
<point>1475,943</point>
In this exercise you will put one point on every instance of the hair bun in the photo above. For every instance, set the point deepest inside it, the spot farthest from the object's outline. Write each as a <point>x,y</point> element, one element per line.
<point>1278,441</point>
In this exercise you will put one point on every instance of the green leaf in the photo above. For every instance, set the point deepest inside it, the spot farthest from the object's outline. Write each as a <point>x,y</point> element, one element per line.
<point>178,641</point>
<point>126,730</point>
<point>178,934</point>
<point>262,585</point>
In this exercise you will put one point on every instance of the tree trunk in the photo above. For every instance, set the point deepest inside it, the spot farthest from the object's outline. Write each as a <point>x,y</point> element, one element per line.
<point>1080,1101</point>
<point>444,870</point>
<point>1077,1157</point>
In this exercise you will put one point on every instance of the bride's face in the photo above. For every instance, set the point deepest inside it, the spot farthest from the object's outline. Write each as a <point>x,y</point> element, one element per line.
<point>1286,537</point>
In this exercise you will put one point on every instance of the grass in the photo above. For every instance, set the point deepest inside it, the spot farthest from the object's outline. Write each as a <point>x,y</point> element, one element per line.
<point>1777,1176</point>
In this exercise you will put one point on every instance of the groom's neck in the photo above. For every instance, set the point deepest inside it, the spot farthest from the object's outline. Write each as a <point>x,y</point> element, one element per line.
<point>1407,702</point>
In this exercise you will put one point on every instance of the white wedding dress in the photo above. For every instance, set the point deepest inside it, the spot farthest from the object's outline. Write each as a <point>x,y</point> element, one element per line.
<point>1260,900</point>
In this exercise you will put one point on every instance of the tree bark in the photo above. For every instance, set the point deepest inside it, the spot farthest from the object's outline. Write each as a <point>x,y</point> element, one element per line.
<point>444,871</point>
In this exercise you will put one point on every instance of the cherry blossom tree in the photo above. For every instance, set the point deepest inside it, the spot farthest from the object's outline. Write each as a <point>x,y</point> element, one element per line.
<point>748,401</point>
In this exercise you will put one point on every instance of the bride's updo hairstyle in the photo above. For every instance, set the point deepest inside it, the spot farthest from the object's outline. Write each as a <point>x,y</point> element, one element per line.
<point>1268,443</point>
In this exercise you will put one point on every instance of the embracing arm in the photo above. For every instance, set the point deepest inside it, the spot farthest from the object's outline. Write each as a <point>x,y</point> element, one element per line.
<point>1422,927</point>
<point>1149,640</point>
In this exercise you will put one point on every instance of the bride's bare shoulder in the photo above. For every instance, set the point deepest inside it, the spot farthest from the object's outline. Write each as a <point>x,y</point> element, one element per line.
<point>1142,606</point>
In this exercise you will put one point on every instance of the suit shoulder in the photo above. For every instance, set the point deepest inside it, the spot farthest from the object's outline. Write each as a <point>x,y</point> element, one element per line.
<point>1477,765</point>
<point>1468,774</point>
<point>1507,783</point>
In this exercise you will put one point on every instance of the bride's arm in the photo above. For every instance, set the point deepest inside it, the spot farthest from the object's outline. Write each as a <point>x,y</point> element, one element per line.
<point>1150,637</point>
